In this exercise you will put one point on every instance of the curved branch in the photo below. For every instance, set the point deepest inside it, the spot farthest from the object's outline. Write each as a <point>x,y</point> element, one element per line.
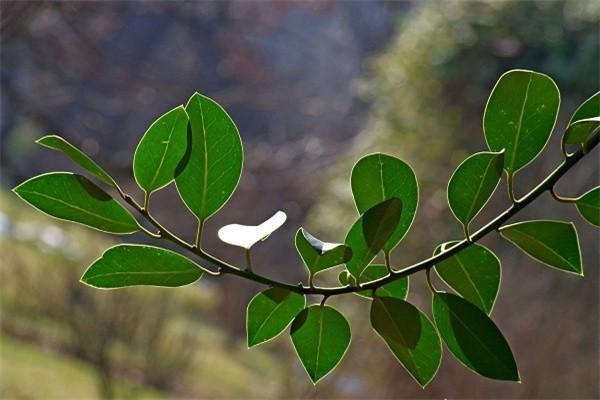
<point>546,185</point>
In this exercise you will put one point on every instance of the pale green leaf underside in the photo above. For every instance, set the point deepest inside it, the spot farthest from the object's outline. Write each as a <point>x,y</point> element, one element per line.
<point>132,265</point>
<point>247,236</point>
<point>73,197</point>
<point>520,115</point>
<point>588,206</point>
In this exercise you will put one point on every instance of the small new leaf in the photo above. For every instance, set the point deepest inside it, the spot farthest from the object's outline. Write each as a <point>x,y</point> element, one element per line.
<point>318,255</point>
<point>553,243</point>
<point>473,338</point>
<point>270,312</point>
<point>321,336</point>
<point>75,198</point>
<point>588,206</point>
<point>160,150</point>
<point>473,183</point>
<point>132,265</point>
<point>247,236</point>
<point>520,115</point>
<point>397,288</point>
<point>588,109</point>
<point>580,130</point>
<point>410,336</point>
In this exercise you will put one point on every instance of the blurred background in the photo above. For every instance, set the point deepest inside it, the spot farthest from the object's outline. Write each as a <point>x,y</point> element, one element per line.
<point>312,86</point>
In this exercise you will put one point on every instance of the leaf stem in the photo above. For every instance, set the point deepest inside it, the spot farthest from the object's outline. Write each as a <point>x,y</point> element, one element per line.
<point>248,261</point>
<point>432,288</point>
<point>466,231</point>
<point>511,187</point>
<point>199,233</point>
<point>386,255</point>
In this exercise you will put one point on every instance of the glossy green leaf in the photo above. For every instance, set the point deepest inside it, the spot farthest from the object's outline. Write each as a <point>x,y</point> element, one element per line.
<point>378,177</point>
<point>80,158</point>
<point>473,338</point>
<point>318,255</point>
<point>321,336</point>
<point>160,150</point>
<point>553,243</point>
<point>132,265</point>
<point>410,336</point>
<point>211,169</point>
<point>270,312</point>
<point>520,115</point>
<point>474,273</point>
<point>73,197</point>
<point>247,236</point>
<point>473,183</point>
<point>588,206</point>
<point>397,288</point>
<point>580,130</point>
<point>370,233</point>
<point>588,109</point>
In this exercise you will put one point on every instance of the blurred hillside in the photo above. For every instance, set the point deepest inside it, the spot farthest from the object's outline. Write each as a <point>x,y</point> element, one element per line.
<point>312,86</point>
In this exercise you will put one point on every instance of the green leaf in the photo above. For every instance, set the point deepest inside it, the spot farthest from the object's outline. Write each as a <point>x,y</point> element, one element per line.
<point>588,109</point>
<point>318,255</point>
<point>378,177</point>
<point>520,115</point>
<point>397,288</point>
<point>133,264</point>
<point>473,338</point>
<point>80,158</point>
<point>247,236</point>
<point>73,197</point>
<point>160,150</point>
<point>270,312</point>
<point>473,183</point>
<point>580,130</point>
<point>321,336</point>
<point>370,233</point>
<point>474,273</point>
<point>410,336</point>
<point>588,206</point>
<point>211,169</point>
<point>345,278</point>
<point>553,243</point>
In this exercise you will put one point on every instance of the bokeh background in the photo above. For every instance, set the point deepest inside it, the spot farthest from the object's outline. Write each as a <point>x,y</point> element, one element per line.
<point>312,87</point>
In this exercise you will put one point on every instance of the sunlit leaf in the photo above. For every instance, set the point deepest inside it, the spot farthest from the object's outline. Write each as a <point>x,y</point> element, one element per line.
<point>160,150</point>
<point>321,336</point>
<point>318,255</point>
<point>588,206</point>
<point>131,265</point>
<point>473,272</point>
<point>247,236</point>
<point>410,336</point>
<point>80,158</point>
<point>270,312</point>
<point>211,168</point>
<point>74,198</point>
<point>473,183</point>
<point>553,243</point>
<point>520,115</point>
<point>378,177</point>
<point>473,338</point>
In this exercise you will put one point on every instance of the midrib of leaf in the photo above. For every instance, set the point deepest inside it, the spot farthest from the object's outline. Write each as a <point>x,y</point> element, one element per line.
<point>162,159</point>
<point>550,249</point>
<point>589,207</point>
<point>381,177</point>
<point>464,270</point>
<point>322,311</point>
<point>483,345</point>
<point>205,180</point>
<point>469,214</point>
<point>514,152</point>
<point>267,318</point>
<point>83,210</point>
<point>142,273</point>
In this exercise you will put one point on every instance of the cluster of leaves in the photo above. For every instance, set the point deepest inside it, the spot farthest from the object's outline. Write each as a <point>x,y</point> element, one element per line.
<point>199,148</point>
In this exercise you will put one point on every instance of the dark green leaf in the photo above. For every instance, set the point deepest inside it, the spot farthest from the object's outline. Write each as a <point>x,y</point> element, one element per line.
<point>580,130</point>
<point>588,109</point>
<point>247,236</point>
<point>270,312</point>
<point>588,206</point>
<point>553,243</point>
<point>473,183</point>
<point>345,278</point>
<point>75,198</point>
<point>131,265</point>
<point>378,177</point>
<point>80,158</point>
<point>318,255</point>
<point>397,288</point>
<point>474,273</point>
<point>321,336</point>
<point>410,336</point>
<point>370,232</point>
<point>520,115</point>
<point>160,150</point>
<point>211,169</point>
<point>473,338</point>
